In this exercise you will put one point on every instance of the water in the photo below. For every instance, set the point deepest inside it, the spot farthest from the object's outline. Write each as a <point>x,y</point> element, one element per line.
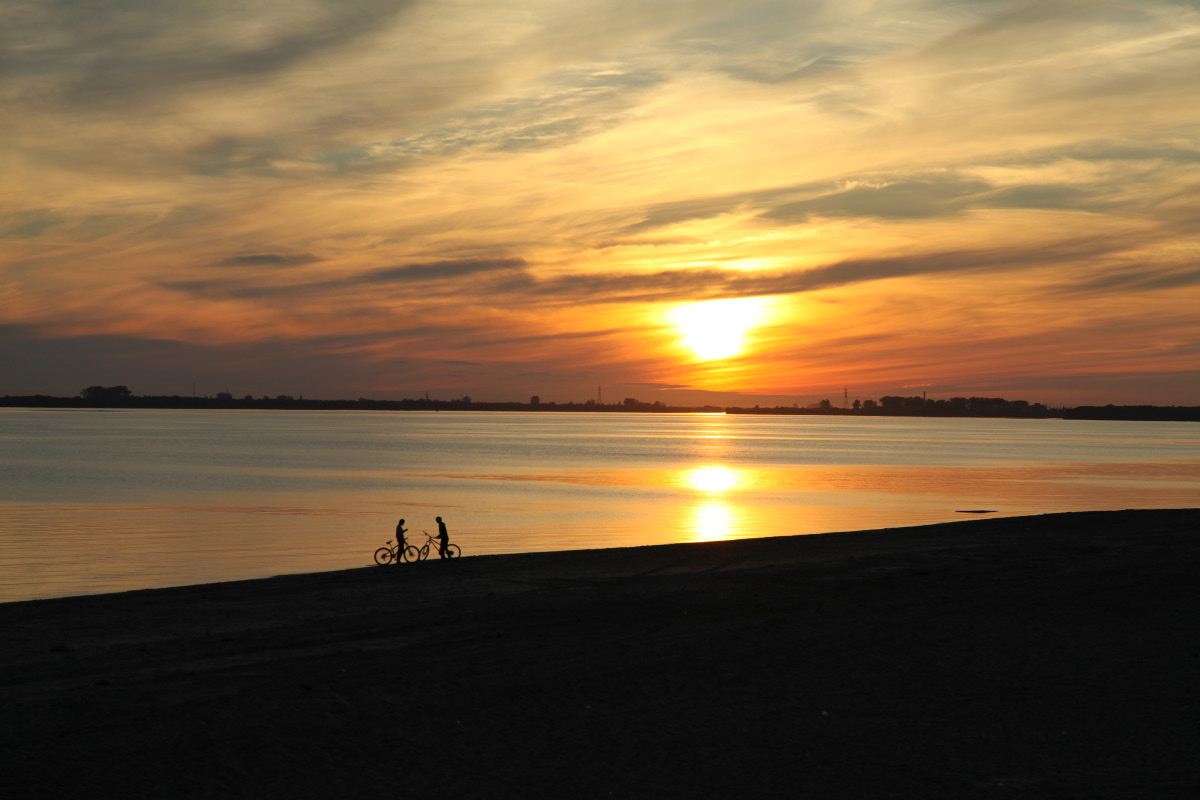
<point>98,501</point>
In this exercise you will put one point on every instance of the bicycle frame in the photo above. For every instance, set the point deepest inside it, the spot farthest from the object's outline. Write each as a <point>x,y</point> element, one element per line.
<point>393,553</point>
<point>433,545</point>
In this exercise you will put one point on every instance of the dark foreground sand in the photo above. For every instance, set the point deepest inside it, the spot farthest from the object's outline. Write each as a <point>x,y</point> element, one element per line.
<point>1037,657</point>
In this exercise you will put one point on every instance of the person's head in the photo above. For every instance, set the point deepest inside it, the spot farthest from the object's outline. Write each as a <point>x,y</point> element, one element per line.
<point>439,519</point>
<point>402,521</point>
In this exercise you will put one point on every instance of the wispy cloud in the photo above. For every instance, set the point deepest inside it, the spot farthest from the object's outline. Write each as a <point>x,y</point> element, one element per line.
<point>269,260</point>
<point>440,272</point>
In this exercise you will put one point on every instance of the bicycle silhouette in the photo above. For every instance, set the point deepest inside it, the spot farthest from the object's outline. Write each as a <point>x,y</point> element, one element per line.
<point>452,550</point>
<point>389,555</point>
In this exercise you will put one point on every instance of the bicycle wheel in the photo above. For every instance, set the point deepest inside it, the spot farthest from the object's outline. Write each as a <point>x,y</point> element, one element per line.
<point>453,551</point>
<point>383,556</point>
<point>411,553</point>
<point>424,553</point>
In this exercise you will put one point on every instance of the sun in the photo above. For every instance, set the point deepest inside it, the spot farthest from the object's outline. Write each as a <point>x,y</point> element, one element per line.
<point>716,329</point>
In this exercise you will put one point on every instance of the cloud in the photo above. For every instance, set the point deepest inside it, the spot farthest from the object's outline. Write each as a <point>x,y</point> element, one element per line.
<point>498,282</point>
<point>818,66</point>
<point>1136,279</point>
<point>695,284</point>
<point>270,260</point>
<point>930,195</point>
<point>132,51</point>
<point>561,108</point>
<point>30,224</point>
<point>907,199</point>
<point>440,271</point>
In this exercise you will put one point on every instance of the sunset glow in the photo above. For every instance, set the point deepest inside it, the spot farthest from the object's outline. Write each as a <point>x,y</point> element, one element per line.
<point>717,328</point>
<point>712,522</point>
<point>713,480</point>
<point>690,202</point>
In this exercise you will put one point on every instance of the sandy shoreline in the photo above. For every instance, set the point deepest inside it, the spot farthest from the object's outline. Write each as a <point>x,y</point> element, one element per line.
<point>1049,656</point>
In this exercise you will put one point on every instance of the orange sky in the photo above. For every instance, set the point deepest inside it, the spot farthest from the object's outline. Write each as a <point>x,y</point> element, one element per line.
<point>501,199</point>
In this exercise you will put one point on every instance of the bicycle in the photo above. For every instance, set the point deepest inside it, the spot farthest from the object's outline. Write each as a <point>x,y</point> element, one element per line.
<point>452,550</point>
<point>388,554</point>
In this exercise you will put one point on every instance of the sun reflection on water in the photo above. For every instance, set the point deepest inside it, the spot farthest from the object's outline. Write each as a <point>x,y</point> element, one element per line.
<point>713,479</point>
<point>713,518</point>
<point>712,522</point>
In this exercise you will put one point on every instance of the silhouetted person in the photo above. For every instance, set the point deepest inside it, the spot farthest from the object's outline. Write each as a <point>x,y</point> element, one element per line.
<point>400,543</point>
<point>443,538</point>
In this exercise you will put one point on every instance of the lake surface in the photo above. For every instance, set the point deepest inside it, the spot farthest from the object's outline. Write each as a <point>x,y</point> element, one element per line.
<point>99,501</point>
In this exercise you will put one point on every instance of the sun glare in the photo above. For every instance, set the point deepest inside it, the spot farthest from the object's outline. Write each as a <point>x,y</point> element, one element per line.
<point>712,479</point>
<point>717,328</point>
<point>712,522</point>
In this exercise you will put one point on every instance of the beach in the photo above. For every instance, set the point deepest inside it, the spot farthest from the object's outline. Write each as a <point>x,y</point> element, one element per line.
<point>1033,657</point>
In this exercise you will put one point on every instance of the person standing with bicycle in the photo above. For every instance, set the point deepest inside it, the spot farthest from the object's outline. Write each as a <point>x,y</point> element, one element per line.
<point>443,538</point>
<point>400,542</point>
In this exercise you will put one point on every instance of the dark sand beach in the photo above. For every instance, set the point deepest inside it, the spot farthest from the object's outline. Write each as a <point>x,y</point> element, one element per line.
<point>1036,657</point>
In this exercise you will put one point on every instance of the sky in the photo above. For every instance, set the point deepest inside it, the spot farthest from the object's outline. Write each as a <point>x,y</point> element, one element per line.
<point>685,202</point>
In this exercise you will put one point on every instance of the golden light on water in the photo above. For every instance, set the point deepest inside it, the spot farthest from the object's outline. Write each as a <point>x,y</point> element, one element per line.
<point>712,479</point>
<point>712,519</point>
<point>712,522</point>
<point>717,329</point>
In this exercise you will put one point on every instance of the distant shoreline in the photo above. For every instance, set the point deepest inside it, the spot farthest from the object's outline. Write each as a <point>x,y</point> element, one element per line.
<point>972,408</point>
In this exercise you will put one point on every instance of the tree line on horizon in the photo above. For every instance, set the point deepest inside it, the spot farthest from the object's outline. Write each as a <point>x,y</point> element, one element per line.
<point>920,406</point>
<point>889,405</point>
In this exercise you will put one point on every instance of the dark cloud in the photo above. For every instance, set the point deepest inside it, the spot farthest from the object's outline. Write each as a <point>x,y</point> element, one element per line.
<point>662,215</point>
<point>945,193</point>
<point>900,197</point>
<point>1137,279</point>
<point>904,199</point>
<point>504,281</point>
<point>655,385</point>
<point>770,42</point>
<point>482,338</point>
<point>567,106</point>
<point>337,367</point>
<point>270,260</point>
<point>1049,196</point>
<point>1167,149</point>
<point>226,154</point>
<point>940,196</point>
<point>320,366</point>
<point>772,73</point>
<point>410,273</point>
<point>1024,23</point>
<point>437,270</point>
<point>63,366</point>
<point>130,51</point>
<point>29,224</point>
<point>703,284</point>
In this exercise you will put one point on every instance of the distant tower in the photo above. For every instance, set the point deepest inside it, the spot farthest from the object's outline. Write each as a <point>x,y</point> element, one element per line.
<point>599,396</point>
<point>845,397</point>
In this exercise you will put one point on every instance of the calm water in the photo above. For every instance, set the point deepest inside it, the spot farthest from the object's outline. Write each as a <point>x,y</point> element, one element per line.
<point>98,501</point>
